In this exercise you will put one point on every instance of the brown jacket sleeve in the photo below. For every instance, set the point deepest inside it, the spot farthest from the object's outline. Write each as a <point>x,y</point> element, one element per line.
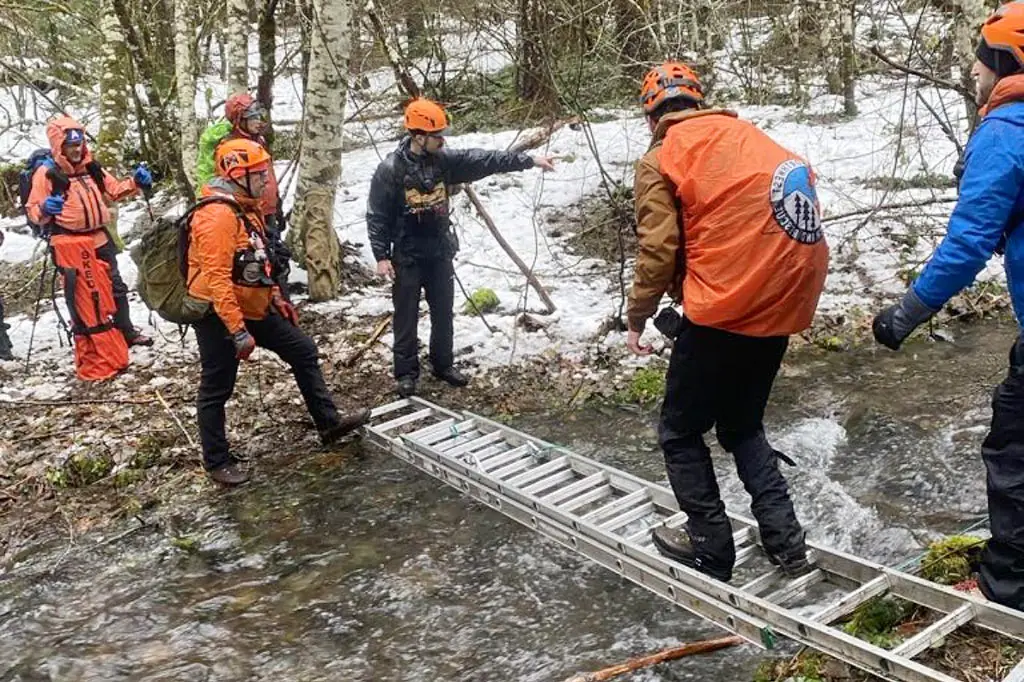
<point>659,232</point>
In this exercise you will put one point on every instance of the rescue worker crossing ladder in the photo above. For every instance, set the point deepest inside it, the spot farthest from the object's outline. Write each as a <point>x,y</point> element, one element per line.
<point>728,223</point>
<point>409,225</point>
<point>71,205</point>
<point>988,214</point>
<point>228,267</point>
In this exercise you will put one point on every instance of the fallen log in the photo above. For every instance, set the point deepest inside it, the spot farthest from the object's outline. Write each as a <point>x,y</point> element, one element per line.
<point>672,654</point>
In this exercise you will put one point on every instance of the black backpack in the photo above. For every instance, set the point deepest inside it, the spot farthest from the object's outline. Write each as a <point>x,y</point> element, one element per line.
<point>59,180</point>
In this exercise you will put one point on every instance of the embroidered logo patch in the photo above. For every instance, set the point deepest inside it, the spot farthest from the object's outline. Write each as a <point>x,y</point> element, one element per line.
<point>795,202</point>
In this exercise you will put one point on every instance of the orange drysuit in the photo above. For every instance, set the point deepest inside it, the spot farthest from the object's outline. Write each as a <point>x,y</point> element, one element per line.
<point>85,204</point>
<point>719,199</point>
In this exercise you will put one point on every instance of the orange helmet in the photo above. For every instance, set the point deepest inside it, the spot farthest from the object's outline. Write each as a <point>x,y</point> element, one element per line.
<point>1003,34</point>
<point>671,80</point>
<point>424,116</point>
<point>238,157</point>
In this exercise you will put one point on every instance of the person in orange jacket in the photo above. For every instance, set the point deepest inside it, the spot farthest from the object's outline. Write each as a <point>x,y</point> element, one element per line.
<point>248,119</point>
<point>228,267</point>
<point>728,222</point>
<point>80,208</point>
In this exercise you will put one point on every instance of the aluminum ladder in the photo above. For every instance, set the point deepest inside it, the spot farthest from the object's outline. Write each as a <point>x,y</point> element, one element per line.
<point>607,514</point>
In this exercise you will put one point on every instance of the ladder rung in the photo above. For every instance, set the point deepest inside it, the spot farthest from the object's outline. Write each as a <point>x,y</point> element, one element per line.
<point>512,468</point>
<point>936,632</point>
<point>624,502</point>
<point>745,554</point>
<point>485,439</point>
<point>595,495</point>
<point>851,601</point>
<point>453,431</point>
<point>564,476</point>
<point>481,455</point>
<point>427,430</point>
<point>451,441</point>
<point>628,517</point>
<point>675,521</point>
<point>796,586</point>
<point>762,582</point>
<point>565,493</point>
<point>540,472</point>
<point>504,458</point>
<point>402,421</point>
<point>643,537</point>
<point>389,408</point>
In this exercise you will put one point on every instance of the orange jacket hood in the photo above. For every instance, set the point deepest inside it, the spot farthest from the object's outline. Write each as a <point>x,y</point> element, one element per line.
<point>56,131</point>
<point>1009,89</point>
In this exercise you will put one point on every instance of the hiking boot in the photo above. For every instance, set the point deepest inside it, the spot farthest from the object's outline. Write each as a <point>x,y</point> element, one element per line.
<point>406,387</point>
<point>231,474</point>
<point>675,543</point>
<point>792,565</point>
<point>347,424</point>
<point>138,339</point>
<point>453,377</point>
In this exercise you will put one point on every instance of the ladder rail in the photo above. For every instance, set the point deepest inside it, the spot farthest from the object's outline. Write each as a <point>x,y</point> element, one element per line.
<point>563,513</point>
<point>829,640</point>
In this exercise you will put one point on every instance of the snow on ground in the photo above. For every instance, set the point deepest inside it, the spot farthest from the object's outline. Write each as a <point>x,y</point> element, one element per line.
<point>869,252</point>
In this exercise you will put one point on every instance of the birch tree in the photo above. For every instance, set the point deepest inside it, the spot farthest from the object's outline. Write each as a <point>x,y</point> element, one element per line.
<point>848,63</point>
<point>238,30</point>
<point>184,63</point>
<point>113,89</point>
<point>312,235</point>
<point>968,16</point>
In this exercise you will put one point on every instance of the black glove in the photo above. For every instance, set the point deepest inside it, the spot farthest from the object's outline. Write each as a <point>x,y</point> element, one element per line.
<point>894,324</point>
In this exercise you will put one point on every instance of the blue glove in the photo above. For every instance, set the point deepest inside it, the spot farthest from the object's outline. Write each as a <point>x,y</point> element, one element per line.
<point>53,205</point>
<point>143,178</point>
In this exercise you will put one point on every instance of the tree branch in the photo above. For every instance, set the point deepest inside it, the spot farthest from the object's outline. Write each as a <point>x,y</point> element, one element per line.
<point>931,78</point>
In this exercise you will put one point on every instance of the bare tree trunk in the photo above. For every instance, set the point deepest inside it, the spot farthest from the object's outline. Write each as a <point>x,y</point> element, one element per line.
<point>184,63</point>
<point>113,89</point>
<point>416,30</point>
<point>268,56</point>
<point>968,16</point>
<point>534,81</point>
<point>238,45</point>
<point>312,236</point>
<point>848,64</point>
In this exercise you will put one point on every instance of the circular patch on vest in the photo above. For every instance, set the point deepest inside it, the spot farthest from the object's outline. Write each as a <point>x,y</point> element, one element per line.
<point>795,202</point>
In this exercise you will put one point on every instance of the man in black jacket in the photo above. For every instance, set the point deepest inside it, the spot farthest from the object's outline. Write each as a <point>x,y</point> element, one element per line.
<point>407,217</point>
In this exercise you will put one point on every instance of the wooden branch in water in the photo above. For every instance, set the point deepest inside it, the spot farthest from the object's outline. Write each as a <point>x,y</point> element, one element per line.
<point>634,664</point>
<point>374,337</point>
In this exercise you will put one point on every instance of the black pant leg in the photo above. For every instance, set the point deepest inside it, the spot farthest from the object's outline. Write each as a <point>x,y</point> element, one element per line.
<point>439,282</point>
<point>405,295</point>
<point>686,415</point>
<point>122,315</point>
<point>746,387</point>
<point>216,384</point>
<point>1002,565</point>
<point>295,347</point>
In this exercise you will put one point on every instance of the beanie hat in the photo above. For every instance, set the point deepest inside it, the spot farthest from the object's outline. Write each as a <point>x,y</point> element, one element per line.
<point>1002,62</point>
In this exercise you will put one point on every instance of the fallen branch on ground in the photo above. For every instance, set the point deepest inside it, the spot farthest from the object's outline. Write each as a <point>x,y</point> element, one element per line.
<point>672,654</point>
<point>374,337</point>
<point>73,403</point>
<point>177,421</point>
<point>889,207</point>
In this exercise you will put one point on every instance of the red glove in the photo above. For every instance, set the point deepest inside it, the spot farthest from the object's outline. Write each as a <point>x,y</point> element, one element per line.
<point>285,309</point>
<point>244,344</point>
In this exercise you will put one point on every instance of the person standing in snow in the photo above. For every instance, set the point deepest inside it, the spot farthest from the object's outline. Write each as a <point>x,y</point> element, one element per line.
<point>986,220</point>
<point>248,119</point>
<point>228,268</point>
<point>81,209</point>
<point>407,218</point>
<point>728,222</point>
<point>5,341</point>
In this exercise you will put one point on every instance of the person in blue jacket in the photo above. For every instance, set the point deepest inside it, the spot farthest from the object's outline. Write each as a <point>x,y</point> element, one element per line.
<point>985,221</point>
